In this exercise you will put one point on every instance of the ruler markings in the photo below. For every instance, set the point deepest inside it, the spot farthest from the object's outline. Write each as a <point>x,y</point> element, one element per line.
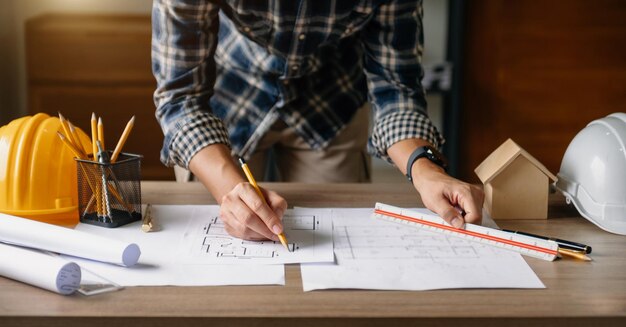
<point>536,248</point>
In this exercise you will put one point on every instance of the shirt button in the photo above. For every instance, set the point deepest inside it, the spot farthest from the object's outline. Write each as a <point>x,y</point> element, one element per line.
<point>285,82</point>
<point>295,67</point>
<point>301,37</point>
<point>246,29</point>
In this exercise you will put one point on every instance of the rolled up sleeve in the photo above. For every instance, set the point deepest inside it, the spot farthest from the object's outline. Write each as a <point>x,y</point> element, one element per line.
<point>393,44</point>
<point>184,38</point>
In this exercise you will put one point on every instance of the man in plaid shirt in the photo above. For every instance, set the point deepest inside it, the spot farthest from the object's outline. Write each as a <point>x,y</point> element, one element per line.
<point>236,77</point>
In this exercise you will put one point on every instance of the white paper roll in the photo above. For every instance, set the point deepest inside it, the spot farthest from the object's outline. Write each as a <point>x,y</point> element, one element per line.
<point>39,269</point>
<point>58,239</point>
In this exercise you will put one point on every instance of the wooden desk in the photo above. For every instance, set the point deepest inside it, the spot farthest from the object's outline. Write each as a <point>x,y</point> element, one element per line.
<point>577,294</point>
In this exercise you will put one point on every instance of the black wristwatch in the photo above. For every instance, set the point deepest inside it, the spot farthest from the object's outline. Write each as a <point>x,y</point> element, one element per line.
<point>425,152</point>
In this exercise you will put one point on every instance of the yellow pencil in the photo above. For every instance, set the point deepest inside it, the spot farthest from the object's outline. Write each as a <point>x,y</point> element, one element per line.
<point>123,138</point>
<point>77,142</point>
<point>94,135</point>
<point>101,134</point>
<point>73,149</point>
<point>94,147</point>
<point>573,254</point>
<point>71,146</point>
<point>252,181</point>
<point>68,133</point>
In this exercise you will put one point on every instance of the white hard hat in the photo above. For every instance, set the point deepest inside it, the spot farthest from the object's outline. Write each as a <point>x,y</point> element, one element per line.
<point>593,173</point>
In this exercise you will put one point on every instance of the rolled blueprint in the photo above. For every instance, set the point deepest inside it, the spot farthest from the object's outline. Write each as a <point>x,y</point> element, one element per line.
<point>33,234</point>
<point>39,269</point>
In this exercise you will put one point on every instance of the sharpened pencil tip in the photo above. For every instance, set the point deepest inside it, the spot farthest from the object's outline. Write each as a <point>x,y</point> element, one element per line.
<point>283,241</point>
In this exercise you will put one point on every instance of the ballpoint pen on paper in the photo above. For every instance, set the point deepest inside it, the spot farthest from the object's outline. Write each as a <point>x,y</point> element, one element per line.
<point>568,245</point>
<point>252,181</point>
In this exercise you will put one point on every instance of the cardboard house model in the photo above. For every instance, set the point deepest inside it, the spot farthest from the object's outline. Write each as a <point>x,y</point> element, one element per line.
<point>516,184</point>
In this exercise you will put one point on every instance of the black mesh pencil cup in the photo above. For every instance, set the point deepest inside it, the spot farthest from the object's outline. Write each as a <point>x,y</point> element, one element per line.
<point>109,194</point>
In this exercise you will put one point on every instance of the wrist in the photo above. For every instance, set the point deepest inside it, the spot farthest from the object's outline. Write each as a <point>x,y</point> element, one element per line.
<point>424,152</point>
<point>216,170</point>
<point>422,171</point>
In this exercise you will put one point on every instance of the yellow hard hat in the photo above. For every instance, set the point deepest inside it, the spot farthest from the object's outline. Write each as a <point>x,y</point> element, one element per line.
<point>37,171</point>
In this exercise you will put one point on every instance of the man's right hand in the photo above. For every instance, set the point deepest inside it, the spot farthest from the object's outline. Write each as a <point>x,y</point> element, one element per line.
<point>243,211</point>
<point>247,216</point>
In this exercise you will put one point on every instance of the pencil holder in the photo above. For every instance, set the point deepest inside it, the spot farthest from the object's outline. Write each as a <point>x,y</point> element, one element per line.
<point>109,194</point>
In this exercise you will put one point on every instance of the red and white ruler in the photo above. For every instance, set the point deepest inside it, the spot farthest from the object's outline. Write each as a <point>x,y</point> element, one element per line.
<point>534,247</point>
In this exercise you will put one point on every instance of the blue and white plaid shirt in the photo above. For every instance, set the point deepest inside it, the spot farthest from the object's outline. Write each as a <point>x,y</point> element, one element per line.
<point>227,70</point>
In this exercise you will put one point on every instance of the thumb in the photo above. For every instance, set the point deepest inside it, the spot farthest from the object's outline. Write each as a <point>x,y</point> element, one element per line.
<point>449,213</point>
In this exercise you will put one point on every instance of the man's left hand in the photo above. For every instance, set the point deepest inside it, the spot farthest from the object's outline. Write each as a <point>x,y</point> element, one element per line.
<point>455,201</point>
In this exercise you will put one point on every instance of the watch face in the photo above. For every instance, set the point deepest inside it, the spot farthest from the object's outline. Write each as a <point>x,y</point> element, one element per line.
<point>436,157</point>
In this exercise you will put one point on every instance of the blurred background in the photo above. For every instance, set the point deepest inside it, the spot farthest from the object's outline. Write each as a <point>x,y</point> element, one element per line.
<point>533,71</point>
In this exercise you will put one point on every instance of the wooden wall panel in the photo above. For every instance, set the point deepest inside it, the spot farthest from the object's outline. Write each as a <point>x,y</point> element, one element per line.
<point>89,48</point>
<point>538,72</point>
<point>116,105</point>
<point>78,64</point>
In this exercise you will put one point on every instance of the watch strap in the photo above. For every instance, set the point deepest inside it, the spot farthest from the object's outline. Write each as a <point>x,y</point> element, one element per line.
<point>424,152</point>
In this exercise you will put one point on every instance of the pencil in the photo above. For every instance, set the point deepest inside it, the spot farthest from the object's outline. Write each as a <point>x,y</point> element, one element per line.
<point>71,146</point>
<point>94,135</point>
<point>68,133</point>
<point>78,155</point>
<point>94,147</point>
<point>78,143</point>
<point>580,255</point>
<point>122,140</point>
<point>252,181</point>
<point>100,134</point>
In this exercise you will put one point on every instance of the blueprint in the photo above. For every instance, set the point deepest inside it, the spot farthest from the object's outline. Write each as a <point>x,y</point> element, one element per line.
<point>308,231</point>
<point>376,254</point>
<point>160,262</point>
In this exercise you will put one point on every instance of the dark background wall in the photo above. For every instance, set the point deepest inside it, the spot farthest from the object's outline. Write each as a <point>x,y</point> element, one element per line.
<point>538,72</point>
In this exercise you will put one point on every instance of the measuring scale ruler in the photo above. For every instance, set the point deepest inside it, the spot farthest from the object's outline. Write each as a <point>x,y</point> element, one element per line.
<point>530,246</point>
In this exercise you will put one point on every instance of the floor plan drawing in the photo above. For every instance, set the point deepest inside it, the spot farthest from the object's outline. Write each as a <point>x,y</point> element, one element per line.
<point>218,243</point>
<point>374,254</point>
<point>395,242</point>
<point>309,233</point>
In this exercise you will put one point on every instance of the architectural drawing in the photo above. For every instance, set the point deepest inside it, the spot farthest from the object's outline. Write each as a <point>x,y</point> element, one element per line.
<point>386,241</point>
<point>309,234</point>
<point>218,243</point>
<point>375,254</point>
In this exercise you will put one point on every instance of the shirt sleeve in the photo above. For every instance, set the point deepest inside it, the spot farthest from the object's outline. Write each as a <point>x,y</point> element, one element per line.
<point>393,43</point>
<point>184,38</point>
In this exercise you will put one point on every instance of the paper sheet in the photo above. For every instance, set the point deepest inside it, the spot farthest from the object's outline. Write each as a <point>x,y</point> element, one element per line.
<point>308,231</point>
<point>160,262</point>
<point>39,269</point>
<point>38,235</point>
<point>375,254</point>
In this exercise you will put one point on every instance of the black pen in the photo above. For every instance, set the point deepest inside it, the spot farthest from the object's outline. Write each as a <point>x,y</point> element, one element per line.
<point>562,243</point>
